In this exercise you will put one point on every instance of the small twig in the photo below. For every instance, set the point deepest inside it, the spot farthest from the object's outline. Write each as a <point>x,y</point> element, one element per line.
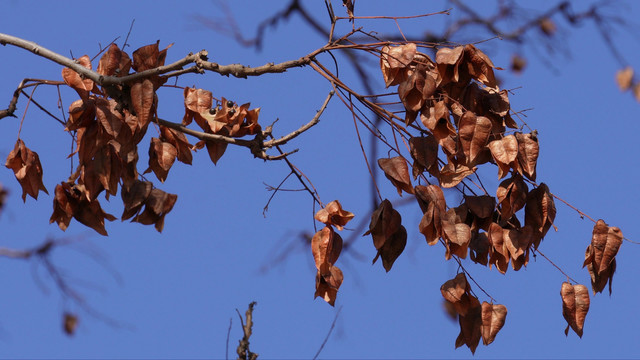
<point>554,265</point>
<point>333,324</point>
<point>228,335</point>
<point>275,190</point>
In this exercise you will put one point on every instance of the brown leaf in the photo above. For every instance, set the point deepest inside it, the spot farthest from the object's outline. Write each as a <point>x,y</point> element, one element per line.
<point>575,305</point>
<point>457,236</point>
<point>456,291</point>
<point>385,221</point>
<point>504,152</point>
<point>393,62</point>
<point>69,323</point>
<point>512,196</point>
<point>448,61</point>
<point>473,135</point>
<point>410,91</point>
<point>327,284</point>
<point>162,155</point>
<point>430,194</point>
<point>114,62</point>
<point>479,248</point>
<point>179,141</point>
<point>215,149</point>
<point>624,78</point>
<point>157,206</point>
<point>499,255</point>
<point>480,66</point>
<point>72,200</point>
<point>493,318</point>
<point>528,150</point>
<point>326,246</point>
<point>605,243</point>
<point>195,102</point>
<point>517,242</point>
<point>518,63</point>
<point>333,214</point>
<point>149,57</point>
<point>424,151</point>
<point>451,175</point>
<point>143,100</point>
<point>539,212</point>
<point>82,86</point>
<point>27,169</point>
<point>397,171</point>
<point>481,206</point>
<point>134,197</point>
<point>470,326</point>
<point>81,114</point>
<point>437,120</point>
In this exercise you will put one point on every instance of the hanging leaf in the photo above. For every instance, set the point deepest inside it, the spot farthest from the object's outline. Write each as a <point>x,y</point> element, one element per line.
<point>196,101</point>
<point>157,206</point>
<point>528,150</point>
<point>162,155</point>
<point>451,175</point>
<point>624,78</point>
<point>512,196</point>
<point>473,135</point>
<point>326,246</point>
<point>327,285</point>
<point>389,236</point>
<point>539,212</point>
<point>143,100</point>
<point>600,255</point>
<point>397,171</point>
<point>424,151</point>
<point>394,61</point>
<point>333,214</point>
<point>493,318</point>
<point>179,141</point>
<point>504,152</point>
<point>575,305</point>
<point>480,66</point>
<point>27,169</point>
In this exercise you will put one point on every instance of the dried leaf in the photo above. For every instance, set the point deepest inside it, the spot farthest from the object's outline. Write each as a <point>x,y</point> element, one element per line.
<point>69,323</point>
<point>575,305</point>
<point>72,200</point>
<point>397,171</point>
<point>162,155</point>
<point>457,236</point>
<point>333,214</point>
<point>528,150</point>
<point>481,206</point>
<point>27,169</point>
<point>512,196</point>
<point>456,291</point>
<point>326,246</point>
<point>114,62</point>
<point>393,62</point>
<point>195,102</point>
<point>143,101</point>
<point>493,318</point>
<point>518,242</point>
<point>448,61</point>
<point>539,212</point>
<point>479,248</point>
<point>179,141</point>
<point>451,175</point>
<point>504,152</point>
<point>470,326</point>
<point>424,151</point>
<point>385,221</point>
<point>157,206</point>
<point>479,66</point>
<point>473,135</point>
<point>499,256</point>
<point>134,197</point>
<point>327,285</point>
<point>149,57</point>
<point>82,86</point>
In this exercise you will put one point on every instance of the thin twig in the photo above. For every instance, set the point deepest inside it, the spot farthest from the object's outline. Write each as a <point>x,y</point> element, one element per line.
<point>326,338</point>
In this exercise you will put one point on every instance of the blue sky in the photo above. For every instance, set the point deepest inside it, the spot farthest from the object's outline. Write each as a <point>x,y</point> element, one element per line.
<point>174,293</point>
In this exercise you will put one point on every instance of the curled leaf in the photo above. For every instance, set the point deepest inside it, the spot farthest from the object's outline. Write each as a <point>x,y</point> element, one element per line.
<point>493,318</point>
<point>333,214</point>
<point>27,169</point>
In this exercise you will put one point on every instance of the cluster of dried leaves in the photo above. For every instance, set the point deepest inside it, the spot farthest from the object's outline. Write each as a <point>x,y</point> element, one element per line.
<point>465,116</point>
<point>326,246</point>
<point>476,320</point>
<point>108,122</point>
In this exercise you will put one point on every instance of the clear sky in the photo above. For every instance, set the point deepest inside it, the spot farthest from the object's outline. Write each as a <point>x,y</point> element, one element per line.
<point>173,294</point>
